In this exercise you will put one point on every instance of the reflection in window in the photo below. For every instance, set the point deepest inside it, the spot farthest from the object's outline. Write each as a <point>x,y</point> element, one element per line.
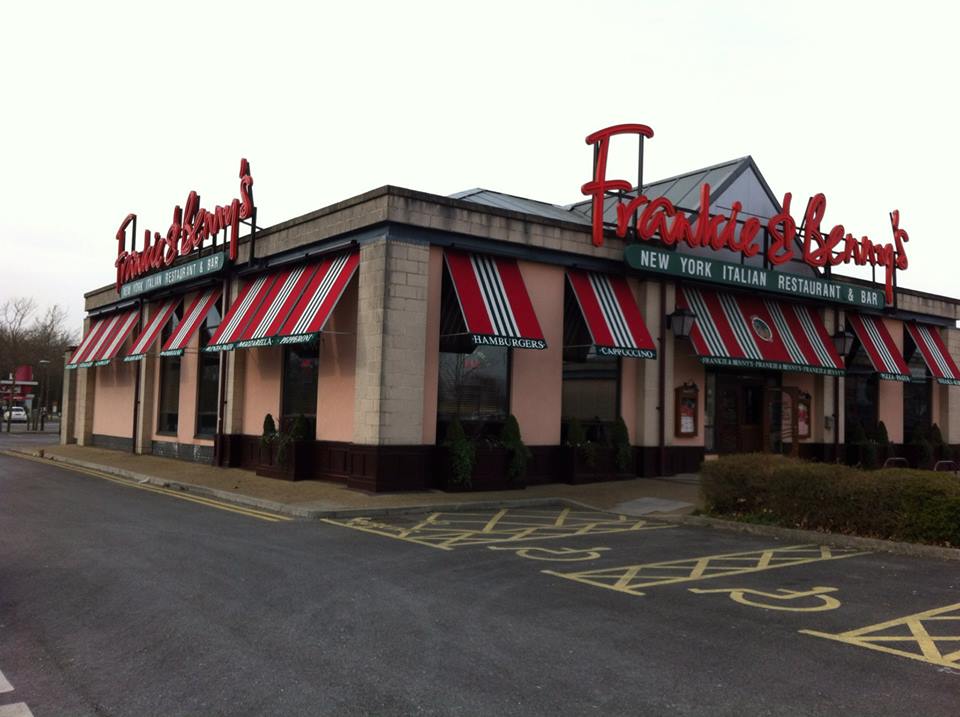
<point>861,393</point>
<point>590,381</point>
<point>473,386</point>
<point>917,394</point>
<point>301,371</point>
<point>168,412</point>
<point>208,376</point>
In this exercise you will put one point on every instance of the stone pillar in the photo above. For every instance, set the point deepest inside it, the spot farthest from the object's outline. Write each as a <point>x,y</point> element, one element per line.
<point>391,343</point>
<point>86,395</point>
<point>950,395</point>
<point>68,404</point>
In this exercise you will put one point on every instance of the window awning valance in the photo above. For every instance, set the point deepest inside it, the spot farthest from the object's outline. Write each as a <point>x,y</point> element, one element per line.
<point>192,319</point>
<point>752,332</point>
<point>611,313</point>
<point>494,301</point>
<point>159,317</point>
<point>880,347</point>
<point>286,306</point>
<point>934,352</point>
<point>103,341</point>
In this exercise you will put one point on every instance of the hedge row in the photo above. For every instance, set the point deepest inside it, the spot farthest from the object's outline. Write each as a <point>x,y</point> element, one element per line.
<point>895,504</point>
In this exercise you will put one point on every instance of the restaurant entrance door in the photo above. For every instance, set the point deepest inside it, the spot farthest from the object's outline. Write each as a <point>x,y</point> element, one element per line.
<point>747,405</point>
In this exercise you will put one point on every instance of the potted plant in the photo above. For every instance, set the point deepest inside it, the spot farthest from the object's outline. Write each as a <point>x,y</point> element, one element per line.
<point>284,453</point>
<point>519,454</point>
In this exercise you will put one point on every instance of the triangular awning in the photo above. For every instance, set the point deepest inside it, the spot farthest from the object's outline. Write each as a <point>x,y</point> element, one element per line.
<point>753,332</point>
<point>158,319</point>
<point>934,352</point>
<point>192,319</point>
<point>287,306</point>
<point>103,341</point>
<point>494,301</point>
<point>880,347</point>
<point>611,313</point>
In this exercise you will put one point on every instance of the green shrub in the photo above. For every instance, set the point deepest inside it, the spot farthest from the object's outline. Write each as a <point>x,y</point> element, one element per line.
<point>520,455</point>
<point>462,454</point>
<point>899,504</point>
<point>881,436</point>
<point>620,438</point>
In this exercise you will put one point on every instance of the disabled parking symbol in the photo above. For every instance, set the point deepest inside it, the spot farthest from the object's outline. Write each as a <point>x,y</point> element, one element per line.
<point>782,599</point>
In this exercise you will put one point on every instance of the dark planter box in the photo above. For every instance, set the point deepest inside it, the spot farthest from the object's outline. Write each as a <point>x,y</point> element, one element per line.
<point>576,468</point>
<point>297,467</point>
<point>489,472</point>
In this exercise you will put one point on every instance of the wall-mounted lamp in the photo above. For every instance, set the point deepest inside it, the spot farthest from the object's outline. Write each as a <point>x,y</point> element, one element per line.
<point>843,342</point>
<point>681,322</point>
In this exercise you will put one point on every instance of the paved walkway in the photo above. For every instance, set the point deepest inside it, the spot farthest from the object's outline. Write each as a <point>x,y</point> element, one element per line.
<point>642,496</point>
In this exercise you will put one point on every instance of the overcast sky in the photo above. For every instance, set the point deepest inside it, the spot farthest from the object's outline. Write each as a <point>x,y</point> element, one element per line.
<point>116,108</point>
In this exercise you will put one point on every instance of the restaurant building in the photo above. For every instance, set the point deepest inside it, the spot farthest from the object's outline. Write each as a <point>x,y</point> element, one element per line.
<point>702,310</point>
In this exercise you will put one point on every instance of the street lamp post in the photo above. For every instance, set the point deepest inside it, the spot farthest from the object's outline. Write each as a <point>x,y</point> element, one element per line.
<point>44,363</point>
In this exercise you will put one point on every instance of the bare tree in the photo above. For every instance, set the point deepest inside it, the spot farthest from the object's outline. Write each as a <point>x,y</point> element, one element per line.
<point>28,336</point>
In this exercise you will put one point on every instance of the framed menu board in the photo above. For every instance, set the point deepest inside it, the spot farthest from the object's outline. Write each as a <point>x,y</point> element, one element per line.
<point>686,403</point>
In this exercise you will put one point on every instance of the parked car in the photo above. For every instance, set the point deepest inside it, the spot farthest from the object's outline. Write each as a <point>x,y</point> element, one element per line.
<point>15,415</point>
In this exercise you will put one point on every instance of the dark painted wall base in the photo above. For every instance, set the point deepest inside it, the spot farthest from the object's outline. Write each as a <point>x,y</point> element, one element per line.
<point>114,443</point>
<point>402,468</point>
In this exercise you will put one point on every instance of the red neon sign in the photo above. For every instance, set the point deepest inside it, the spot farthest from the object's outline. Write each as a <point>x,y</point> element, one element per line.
<point>660,218</point>
<point>191,227</point>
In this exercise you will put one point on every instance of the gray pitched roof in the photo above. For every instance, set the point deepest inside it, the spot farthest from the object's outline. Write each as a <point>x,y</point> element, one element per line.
<point>682,191</point>
<point>520,204</point>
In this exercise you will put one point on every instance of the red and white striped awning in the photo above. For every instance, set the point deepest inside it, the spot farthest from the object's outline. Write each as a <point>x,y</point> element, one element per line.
<point>878,343</point>
<point>192,318</point>
<point>103,341</point>
<point>494,300</point>
<point>287,306</point>
<point>159,319</point>
<point>934,352</point>
<point>611,313</point>
<point>748,331</point>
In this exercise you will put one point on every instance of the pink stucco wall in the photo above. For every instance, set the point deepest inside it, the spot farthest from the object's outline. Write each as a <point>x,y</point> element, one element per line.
<point>338,361</point>
<point>113,405</point>
<point>431,362</point>
<point>261,387</point>
<point>535,396</point>
<point>686,369</point>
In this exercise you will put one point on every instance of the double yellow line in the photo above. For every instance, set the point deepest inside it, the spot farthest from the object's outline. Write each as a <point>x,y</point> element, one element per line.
<point>209,502</point>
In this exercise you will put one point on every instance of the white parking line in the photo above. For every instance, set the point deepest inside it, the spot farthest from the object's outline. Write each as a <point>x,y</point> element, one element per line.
<point>18,709</point>
<point>5,686</point>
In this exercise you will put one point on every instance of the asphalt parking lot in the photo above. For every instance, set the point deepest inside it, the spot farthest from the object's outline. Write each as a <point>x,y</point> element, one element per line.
<point>123,599</point>
<point>853,614</point>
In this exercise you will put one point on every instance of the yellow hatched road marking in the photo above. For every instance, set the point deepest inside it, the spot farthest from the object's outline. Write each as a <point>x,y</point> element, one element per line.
<point>209,502</point>
<point>630,578</point>
<point>451,530</point>
<point>928,645</point>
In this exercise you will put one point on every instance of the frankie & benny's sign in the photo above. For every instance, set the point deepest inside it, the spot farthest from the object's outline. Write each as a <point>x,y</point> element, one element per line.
<point>192,225</point>
<point>660,218</point>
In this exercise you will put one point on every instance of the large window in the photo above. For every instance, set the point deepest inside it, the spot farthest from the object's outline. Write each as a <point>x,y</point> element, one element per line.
<point>591,382</point>
<point>168,413</point>
<point>301,370</point>
<point>917,394</point>
<point>474,380</point>
<point>208,376</point>
<point>860,395</point>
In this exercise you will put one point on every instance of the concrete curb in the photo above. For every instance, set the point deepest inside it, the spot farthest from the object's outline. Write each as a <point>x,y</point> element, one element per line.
<point>294,511</point>
<point>811,536</point>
